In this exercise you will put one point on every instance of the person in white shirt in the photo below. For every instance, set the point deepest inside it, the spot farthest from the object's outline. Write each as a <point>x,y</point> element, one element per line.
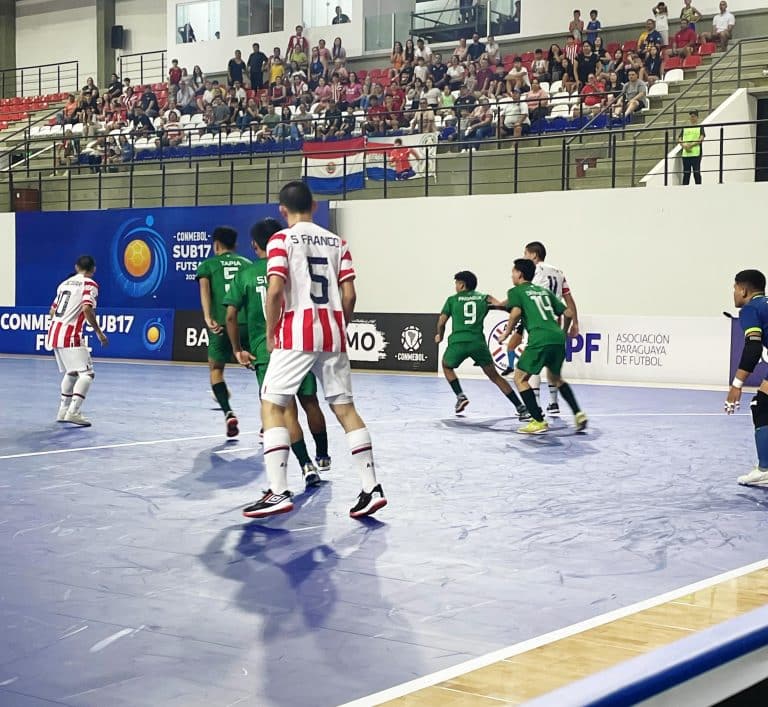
<point>422,50</point>
<point>722,27</point>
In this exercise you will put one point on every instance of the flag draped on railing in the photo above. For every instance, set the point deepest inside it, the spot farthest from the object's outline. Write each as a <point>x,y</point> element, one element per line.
<point>334,166</point>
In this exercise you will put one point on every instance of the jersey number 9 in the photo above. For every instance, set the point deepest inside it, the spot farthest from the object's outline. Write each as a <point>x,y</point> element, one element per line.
<point>470,312</point>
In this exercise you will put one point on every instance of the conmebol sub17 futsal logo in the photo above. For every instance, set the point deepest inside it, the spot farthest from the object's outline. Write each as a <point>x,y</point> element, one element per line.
<point>139,258</point>
<point>153,335</point>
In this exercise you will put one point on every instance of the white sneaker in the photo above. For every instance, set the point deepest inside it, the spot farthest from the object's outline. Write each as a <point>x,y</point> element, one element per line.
<point>61,416</point>
<point>756,477</point>
<point>77,418</point>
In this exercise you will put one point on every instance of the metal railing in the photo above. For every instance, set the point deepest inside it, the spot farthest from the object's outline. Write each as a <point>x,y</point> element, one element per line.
<point>144,67</point>
<point>522,165</point>
<point>458,20</point>
<point>40,80</point>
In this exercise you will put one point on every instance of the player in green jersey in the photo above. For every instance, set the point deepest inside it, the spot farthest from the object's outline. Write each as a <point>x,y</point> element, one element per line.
<point>248,295</point>
<point>215,276</point>
<point>467,309</point>
<point>540,309</point>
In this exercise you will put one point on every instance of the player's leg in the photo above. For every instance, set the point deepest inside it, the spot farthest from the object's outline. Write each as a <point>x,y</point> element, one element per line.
<point>334,374</point>
<point>513,343</point>
<point>284,375</point>
<point>219,354</point>
<point>529,365</point>
<point>759,407</point>
<point>316,420</point>
<point>482,357</point>
<point>68,381</point>
<point>454,356</point>
<point>554,355</point>
<point>299,446</point>
<point>553,408</point>
<point>78,364</point>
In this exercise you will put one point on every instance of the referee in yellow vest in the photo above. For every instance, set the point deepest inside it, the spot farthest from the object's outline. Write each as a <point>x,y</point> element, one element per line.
<point>691,137</point>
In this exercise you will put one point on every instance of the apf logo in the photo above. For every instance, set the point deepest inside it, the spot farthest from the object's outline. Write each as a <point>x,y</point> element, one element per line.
<point>153,335</point>
<point>139,257</point>
<point>589,344</point>
<point>411,338</point>
<point>496,345</point>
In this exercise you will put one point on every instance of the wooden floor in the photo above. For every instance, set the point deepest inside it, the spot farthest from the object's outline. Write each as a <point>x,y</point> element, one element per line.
<point>548,667</point>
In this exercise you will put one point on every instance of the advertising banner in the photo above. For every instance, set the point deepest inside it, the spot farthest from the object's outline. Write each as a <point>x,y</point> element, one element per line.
<point>132,333</point>
<point>144,257</point>
<point>675,350</point>
<point>392,342</point>
<point>190,336</point>
<point>737,346</point>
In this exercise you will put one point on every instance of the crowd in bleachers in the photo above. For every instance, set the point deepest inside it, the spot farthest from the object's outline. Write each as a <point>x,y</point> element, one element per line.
<point>467,94</point>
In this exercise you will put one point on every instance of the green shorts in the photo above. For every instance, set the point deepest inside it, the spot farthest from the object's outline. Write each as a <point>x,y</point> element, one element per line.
<point>549,356</point>
<point>478,351</point>
<point>220,348</point>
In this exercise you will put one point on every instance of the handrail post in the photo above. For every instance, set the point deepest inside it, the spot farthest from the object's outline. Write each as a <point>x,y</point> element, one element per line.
<point>563,166</point>
<point>517,165</point>
<point>58,78</point>
<point>722,151</point>
<point>612,143</point>
<point>386,178</point>
<point>162,184</point>
<point>344,177</point>
<point>77,75</point>
<point>98,198</point>
<point>469,176</point>
<point>141,70</point>
<point>231,182</point>
<point>634,161</point>
<point>130,185</point>
<point>40,188</point>
<point>269,175</point>
<point>22,82</point>
<point>738,65</point>
<point>426,170</point>
<point>666,157</point>
<point>197,183</point>
<point>39,80</point>
<point>69,188</point>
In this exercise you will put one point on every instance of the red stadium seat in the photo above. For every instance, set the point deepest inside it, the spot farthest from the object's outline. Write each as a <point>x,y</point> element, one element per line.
<point>611,48</point>
<point>630,46</point>
<point>674,62</point>
<point>528,57</point>
<point>707,48</point>
<point>362,75</point>
<point>692,62</point>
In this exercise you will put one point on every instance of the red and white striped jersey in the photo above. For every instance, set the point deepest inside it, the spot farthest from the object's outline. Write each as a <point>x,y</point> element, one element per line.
<point>66,328</point>
<point>552,278</point>
<point>313,262</point>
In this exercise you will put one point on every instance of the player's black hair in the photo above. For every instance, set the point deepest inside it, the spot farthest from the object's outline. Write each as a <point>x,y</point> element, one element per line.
<point>538,249</point>
<point>296,197</point>
<point>753,279</point>
<point>527,268</point>
<point>85,263</point>
<point>262,231</point>
<point>226,235</point>
<point>468,278</point>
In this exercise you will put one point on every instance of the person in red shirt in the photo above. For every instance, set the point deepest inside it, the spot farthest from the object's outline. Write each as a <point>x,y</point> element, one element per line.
<point>684,41</point>
<point>591,96</point>
<point>297,43</point>
<point>400,159</point>
<point>398,96</point>
<point>174,75</point>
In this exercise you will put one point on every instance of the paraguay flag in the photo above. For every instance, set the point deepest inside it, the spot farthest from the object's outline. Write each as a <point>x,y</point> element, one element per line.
<point>334,166</point>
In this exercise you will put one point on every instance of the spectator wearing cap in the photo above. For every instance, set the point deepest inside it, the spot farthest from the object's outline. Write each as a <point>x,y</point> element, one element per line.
<point>515,119</point>
<point>690,141</point>
<point>518,76</point>
<point>684,42</point>
<point>476,49</point>
<point>722,27</point>
<point>339,17</point>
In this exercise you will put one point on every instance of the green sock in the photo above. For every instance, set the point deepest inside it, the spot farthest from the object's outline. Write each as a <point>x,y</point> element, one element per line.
<point>455,386</point>
<point>222,396</point>
<point>569,397</point>
<point>321,443</point>
<point>300,450</point>
<point>529,398</point>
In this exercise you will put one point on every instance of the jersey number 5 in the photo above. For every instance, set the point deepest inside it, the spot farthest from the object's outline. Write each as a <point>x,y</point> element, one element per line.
<point>317,278</point>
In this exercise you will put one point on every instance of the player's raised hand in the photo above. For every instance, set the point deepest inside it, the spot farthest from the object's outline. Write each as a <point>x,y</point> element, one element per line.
<point>733,401</point>
<point>214,326</point>
<point>245,358</point>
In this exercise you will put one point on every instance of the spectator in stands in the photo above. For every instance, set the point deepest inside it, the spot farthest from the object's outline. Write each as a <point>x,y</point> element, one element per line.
<point>130,100</point>
<point>148,102</point>
<point>465,11</point>
<point>484,78</point>
<point>373,117</point>
<point>340,69</point>
<point>449,131</point>
<point>174,76</point>
<point>286,128</point>
<point>634,95</point>
<point>572,48</point>
<point>276,68</point>
<point>684,41</point>
<point>447,102</point>
<point>238,92</point>
<point>353,92</point>
<point>187,33</point>
<point>600,50</point>
<point>424,118</point>
<point>316,69</point>
<point>396,59</point>
<point>456,74</point>
<point>185,98</point>
<point>476,49</point>
<point>518,76</point>
<point>438,71</point>
<point>576,26</point>
<point>722,27</point>
<point>67,151</point>
<point>339,18</point>
<point>324,54</point>
<point>421,70</point>
<point>198,79</point>
<point>115,88</point>
<point>303,121</point>
<point>249,115</point>
<point>470,80</point>
<point>338,51</point>
<point>652,66</point>
<point>333,120</point>
<point>593,28</point>
<point>661,15</point>
<point>586,63</point>
<point>539,67</point>
<point>409,53</point>
<point>323,91</point>
<point>423,50</point>
<point>568,75</point>
<point>299,86</point>
<point>281,93</point>
<point>537,100</point>
<point>235,69</point>
<point>492,49</point>
<point>392,115</point>
<point>256,61</point>
<point>296,42</point>
<point>648,38</point>
<point>515,119</point>
<point>115,116</point>
<point>141,124</point>
<point>462,50</point>
<point>90,92</point>
<point>690,141</point>
<point>591,97</point>
<point>690,14</point>
<point>299,60</point>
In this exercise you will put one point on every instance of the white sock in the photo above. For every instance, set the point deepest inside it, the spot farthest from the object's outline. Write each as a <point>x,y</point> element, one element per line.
<point>67,386</point>
<point>535,383</point>
<point>553,394</point>
<point>359,442</point>
<point>277,445</point>
<point>82,386</point>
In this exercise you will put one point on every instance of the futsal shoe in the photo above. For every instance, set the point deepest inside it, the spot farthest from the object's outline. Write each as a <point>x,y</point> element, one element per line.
<point>311,477</point>
<point>270,504</point>
<point>581,421</point>
<point>61,416</point>
<point>534,427</point>
<point>232,429</point>
<point>508,371</point>
<point>77,418</point>
<point>323,463</point>
<point>368,503</point>
<point>553,409</point>
<point>461,403</point>
<point>522,414</point>
<point>756,477</point>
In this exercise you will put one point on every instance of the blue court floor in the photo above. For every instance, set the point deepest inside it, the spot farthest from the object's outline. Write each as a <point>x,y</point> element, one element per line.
<point>129,577</point>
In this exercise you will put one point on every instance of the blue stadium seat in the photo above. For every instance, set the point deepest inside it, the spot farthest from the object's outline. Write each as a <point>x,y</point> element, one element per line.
<point>557,125</point>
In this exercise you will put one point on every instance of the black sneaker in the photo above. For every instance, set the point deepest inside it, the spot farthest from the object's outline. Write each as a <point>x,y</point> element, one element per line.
<point>311,477</point>
<point>553,409</point>
<point>522,414</point>
<point>461,402</point>
<point>232,429</point>
<point>508,371</point>
<point>270,504</point>
<point>368,503</point>
<point>323,463</point>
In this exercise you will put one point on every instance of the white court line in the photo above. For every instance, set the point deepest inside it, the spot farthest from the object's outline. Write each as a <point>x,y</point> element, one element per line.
<point>504,653</point>
<point>394,421</point>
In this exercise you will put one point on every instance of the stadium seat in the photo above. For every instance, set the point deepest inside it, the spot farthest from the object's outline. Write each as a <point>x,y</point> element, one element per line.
<point>692,62</point>
<point>707,49</point>
<point>558,125</point>
<point>599,123</point>
<point>660,88</point>
<point>528,57</point>
<point>611,47</point>
<point>577,123</point>
<point>544,85</point>
<point>674,76</point>
<point>555,87</point>
<point>630,45</point>
<point>674,62</point>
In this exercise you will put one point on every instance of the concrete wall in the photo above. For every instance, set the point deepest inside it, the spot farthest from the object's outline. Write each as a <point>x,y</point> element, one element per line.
<point>144,22</point>
<point>7,260</point>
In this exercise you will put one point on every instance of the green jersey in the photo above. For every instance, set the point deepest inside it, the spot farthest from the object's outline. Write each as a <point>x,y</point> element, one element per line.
<point>541,309</point>
<point>221,271</point>
<point>248,293</point>
<point>467,310</point>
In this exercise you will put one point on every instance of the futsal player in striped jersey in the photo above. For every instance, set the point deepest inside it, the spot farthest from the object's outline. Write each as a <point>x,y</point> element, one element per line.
<point>310,298</point>
<point>74,306</point>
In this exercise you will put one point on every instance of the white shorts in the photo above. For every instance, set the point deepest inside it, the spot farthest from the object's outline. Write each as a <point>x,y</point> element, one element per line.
<point>287,369</point>
<point>74,360</point>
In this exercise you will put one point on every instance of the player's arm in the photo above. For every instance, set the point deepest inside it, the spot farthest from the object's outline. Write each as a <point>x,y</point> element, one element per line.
<point>494,303</point>
<point>570,316</point>
<point>233,331</point>
<point>274,307</point>
<point>205,302</point>
<point>441,322</point>
<point>514,316</point>
<point>750,356</point>
<point>348,299</point>
<point>90,317</point>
